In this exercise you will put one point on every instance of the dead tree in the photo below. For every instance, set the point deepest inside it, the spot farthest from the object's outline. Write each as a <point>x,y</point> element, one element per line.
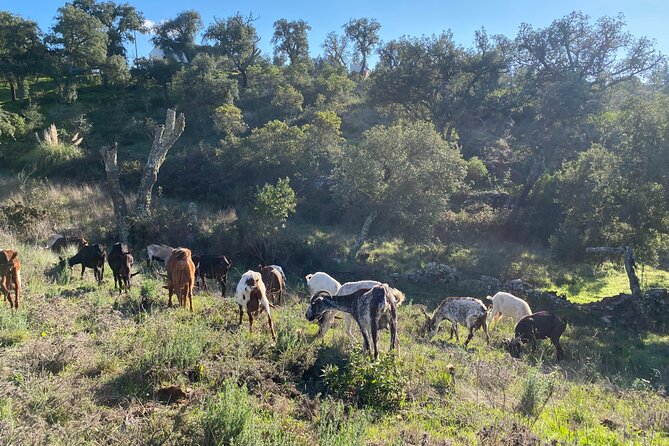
<point>163,139</point>
<point>630,264</point>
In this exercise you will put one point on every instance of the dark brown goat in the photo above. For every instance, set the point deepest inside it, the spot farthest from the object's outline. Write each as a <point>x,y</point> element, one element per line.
<point>120,261</point>
<point>540,325</point>
<point>273,281</point>
<point>62,242</point>
<point>212,266</point>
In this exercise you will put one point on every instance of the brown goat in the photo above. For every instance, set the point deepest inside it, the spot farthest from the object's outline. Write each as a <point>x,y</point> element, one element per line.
<point>10,276</point>
<point>181,276</point>
<point>273,281</point>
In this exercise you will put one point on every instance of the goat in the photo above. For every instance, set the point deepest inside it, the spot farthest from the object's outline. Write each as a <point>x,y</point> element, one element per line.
<point>280,270</point>
<point>466,311</point>
<point>540,325</point>
<point>89,256</point>
<point>10,276</point>
<point>274,284</point>
<point>506,304</point>
<point>252,297</point>
<point>367,308</point>
<point>213,266</point>
<point>120,261</point>
<point>160,253</point>
<point>58,242</point>
<point>181,277</point>
<point>349,288</point>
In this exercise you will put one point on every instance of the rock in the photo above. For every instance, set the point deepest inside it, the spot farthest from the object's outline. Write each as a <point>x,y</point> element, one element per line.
<point>491,284</point>
<point>433,273</point>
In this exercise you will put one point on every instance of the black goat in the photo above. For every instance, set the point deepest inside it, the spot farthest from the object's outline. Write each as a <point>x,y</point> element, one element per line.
<point>90,256</point>
<point>212,266</point>
<point>540,325</point>
<point>120,261</point>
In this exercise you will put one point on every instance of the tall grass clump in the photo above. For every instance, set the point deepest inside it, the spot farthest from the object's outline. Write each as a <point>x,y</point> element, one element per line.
<point>13,326</point>
<point>51,151</point>
<point>536,392</point>
<point>334,428</point>
<point>229,417</point>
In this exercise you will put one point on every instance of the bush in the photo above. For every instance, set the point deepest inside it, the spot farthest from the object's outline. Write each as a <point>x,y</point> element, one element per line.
<point>537,390</point>
<point>335,429</point>
<point>228,419</point>
<point>380,385</point>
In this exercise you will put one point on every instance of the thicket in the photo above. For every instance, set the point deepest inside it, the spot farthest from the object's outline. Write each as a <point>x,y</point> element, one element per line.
<point>557,136</point>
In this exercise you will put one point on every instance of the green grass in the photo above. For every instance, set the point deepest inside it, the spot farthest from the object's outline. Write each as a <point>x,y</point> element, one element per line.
<point>591,284</point>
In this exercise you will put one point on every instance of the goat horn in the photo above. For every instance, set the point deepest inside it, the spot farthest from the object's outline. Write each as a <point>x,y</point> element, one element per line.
<point>423,308</point>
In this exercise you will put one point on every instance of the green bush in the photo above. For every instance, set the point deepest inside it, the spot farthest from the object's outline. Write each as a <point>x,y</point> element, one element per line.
<point>380,384</point>
<point>335,429</point>
<point>537,390</point>
<point>228,418</point>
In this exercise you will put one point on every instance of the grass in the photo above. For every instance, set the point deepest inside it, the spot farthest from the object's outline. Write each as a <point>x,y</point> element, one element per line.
<point>86,366</point>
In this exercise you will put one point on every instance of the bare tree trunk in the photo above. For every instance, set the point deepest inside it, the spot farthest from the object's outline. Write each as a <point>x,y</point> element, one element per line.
<point>109,156</point>
<point>12,89</point>
<point>164,138</point>
<point>362,236</point>
<point>630,264</point>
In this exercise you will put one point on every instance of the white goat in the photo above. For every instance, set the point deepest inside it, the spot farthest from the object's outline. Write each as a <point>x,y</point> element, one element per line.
<point>322,281</point>
<point>506,304</point>
<point>162,253</point>
<point>252,297</point>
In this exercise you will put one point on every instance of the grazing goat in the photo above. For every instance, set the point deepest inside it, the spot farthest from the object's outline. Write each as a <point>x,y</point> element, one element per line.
<point>89,256</point>
<point>280,270</point>
<point>160,253</point>
<point>10,276</point>
<point>322,282</point>
<point>367,308</point>
<point>212,266</point>
<point>349,288</point>
<point>120,261</point>
<point>540,325</point>
<point>506,304</point>
<point>274,284</point>
<point>466,311</point>
<point>252,297</point>
<point>58,242</point>
<point>181,277</point>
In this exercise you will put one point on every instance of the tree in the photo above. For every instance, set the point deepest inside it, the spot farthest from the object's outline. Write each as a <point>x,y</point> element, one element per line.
<point>266,218</point>
<point>156,71</point>
<point>176,37</point>
<point>237,39</point>
<point>336,49</point>
<point>564,72</point>
<point>364,33</point>
<point>405,172</point>
<point>79,42</point>
<point>163,139</point>
<point>434,78</point>
<point>288,99</point>
<point>120,20</point>
<point>290,41</point>
<point>21,53</point>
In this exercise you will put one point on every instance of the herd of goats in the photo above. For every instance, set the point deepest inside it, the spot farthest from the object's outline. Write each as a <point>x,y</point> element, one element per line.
<point>373,305</point>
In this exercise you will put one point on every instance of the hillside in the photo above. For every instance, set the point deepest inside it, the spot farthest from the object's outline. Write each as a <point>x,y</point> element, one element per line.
<point>82,365</point>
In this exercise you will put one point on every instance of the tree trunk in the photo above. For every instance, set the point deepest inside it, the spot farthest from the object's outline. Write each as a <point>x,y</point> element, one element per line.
<point>362,236</point>
<point>12,89</point>
<point>109,156</point>
<point>22,88</point>
<point>164,137</point>
<point>630,264</point>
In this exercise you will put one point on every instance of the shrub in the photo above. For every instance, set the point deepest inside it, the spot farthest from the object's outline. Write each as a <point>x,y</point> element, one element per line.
<point>376,384</point>
<point>537,390</point>
<point>228,418</point>
<point>335,429</point>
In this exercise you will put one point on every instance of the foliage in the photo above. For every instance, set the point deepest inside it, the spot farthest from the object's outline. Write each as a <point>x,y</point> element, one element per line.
<point>364,33</point>
<point>537,390</point>
<point>21,52</point>
<point>228,417</point>
<point>378,385</point>
<point>290,41</point>
<point>229,120</point>
<point>176,37</point>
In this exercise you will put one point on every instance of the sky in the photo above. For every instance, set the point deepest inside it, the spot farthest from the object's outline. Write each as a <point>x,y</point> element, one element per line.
<point>397,18</point>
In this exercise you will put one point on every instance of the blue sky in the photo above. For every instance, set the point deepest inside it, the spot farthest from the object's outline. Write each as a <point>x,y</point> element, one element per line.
<point>413,18</point>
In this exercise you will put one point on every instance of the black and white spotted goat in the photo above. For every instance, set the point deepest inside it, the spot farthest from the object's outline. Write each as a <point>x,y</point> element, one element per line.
<point>466,311</point>
<point>371,309</point>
